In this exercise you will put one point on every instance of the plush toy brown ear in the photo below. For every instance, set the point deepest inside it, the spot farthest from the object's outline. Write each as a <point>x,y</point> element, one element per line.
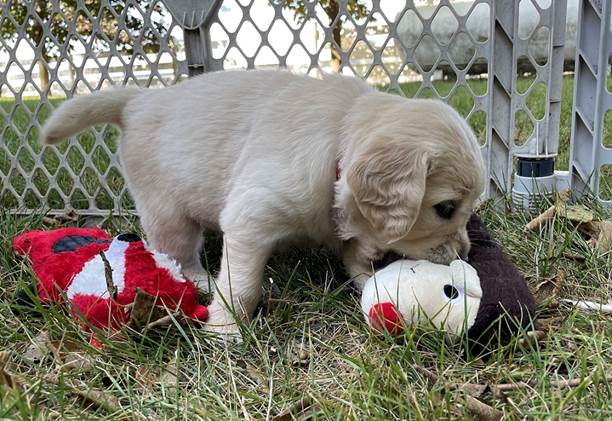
<point>507,305</point>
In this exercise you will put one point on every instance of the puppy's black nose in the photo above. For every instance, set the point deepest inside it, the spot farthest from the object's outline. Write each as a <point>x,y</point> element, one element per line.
<point>128,238</point>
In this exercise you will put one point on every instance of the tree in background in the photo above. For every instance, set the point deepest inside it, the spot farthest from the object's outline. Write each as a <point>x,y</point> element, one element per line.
<point>32,18</point>
<point>355,8</point>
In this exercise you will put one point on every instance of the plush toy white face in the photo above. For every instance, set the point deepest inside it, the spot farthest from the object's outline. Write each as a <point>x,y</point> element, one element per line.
<point>419,292</point>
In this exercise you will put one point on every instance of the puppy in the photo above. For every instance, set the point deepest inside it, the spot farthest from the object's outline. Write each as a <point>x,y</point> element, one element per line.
<point>267,157</point>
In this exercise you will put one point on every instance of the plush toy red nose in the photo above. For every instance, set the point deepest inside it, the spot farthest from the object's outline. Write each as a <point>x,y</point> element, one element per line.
<point>386,317</point>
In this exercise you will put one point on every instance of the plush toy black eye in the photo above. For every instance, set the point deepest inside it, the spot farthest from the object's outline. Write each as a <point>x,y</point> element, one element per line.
<point>446,209</point>
<point>451,292</point>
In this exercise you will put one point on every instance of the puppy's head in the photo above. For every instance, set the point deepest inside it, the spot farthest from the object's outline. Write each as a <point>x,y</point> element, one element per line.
<point>410,179</point>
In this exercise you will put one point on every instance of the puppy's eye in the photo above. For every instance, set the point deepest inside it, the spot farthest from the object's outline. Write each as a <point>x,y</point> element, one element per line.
<point>445,209</point>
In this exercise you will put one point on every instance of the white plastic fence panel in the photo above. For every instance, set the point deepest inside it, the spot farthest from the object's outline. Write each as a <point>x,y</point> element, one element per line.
<point>438,49</point>
<point>53,50</point>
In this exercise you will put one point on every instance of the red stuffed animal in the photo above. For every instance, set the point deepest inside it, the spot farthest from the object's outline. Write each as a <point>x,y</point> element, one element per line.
<point>68,263</point>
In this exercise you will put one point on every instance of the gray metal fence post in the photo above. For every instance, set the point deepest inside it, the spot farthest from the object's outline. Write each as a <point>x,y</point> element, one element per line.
<point>194,17</point>
<point>536,176</point>
<point>591,98</point>
<point>504,28</point>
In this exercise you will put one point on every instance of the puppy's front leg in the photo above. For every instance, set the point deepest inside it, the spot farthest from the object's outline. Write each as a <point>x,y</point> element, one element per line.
<point>357,259</point>
<point>238,287</point>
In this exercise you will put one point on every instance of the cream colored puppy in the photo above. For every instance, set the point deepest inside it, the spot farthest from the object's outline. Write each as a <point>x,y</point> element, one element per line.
<point>255,155</point>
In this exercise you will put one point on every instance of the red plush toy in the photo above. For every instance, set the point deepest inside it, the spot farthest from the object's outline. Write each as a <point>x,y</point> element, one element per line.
<point>68,264</point>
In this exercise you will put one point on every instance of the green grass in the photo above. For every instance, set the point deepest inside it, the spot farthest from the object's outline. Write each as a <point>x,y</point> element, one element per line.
<point>21,139</point>
<point>344,371</point>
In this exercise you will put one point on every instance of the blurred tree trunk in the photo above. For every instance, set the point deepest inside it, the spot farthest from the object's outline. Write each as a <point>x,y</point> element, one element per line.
<point>332,10</point>
<point>37,35</point>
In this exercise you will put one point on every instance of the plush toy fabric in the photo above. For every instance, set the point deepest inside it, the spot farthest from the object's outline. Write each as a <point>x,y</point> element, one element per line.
<point>413,292</point>
<point>458,298</point>
<point>505,294</point>
<point>68,265</point>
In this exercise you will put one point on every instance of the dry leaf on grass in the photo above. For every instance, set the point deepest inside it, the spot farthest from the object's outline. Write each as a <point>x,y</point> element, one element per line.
<point>169,375</point>
<point>549,213</point>
<point>145,380</point>
<point>579,214</point>
<point>547,291</point>
<point>531,338</point>
<point>602,236</point>
<point>144,311</point>
<point>261,381</point>
<point>7,379</point>
<point>300,356</point>
<point>38,349</point>
<point>548,323</point>
<point>58,220</point>
<point>296,410</point>
<point>68,355</point>
<point>95,397</point>
<point>476,408</point>
<point>600,232</point>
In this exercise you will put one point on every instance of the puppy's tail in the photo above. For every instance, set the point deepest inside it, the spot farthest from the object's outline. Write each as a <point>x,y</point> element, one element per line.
<point>76,114</point>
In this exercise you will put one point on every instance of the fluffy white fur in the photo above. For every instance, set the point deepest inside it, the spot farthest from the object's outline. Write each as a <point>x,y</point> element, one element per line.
<point>254,154</point>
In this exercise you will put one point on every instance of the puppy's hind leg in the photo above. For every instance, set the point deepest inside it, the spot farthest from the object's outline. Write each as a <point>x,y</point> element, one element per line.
<point>180,238</point>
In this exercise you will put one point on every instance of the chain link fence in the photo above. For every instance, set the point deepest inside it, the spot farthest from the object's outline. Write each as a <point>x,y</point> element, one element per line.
<point>499,63</point>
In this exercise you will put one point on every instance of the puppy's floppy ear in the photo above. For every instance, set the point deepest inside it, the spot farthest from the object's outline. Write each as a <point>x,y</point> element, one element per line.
<point>388,184</point>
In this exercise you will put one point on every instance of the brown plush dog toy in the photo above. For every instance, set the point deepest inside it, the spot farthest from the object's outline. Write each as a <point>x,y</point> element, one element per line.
<point>486,296</point>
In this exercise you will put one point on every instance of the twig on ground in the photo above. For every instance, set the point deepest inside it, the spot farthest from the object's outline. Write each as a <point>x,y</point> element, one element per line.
<point>481,410</point>
<point>589,305</point>
<point>163,321</point>
<point>108,274</point>
<point>296,409</point>
<point>95,397</point>
<point>500,389</point>
<point>537,222</point>
<point>477,408</point>
<point>562,198</point>
<point>531,338</point>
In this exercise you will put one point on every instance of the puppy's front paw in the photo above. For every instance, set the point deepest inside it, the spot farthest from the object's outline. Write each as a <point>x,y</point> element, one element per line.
<point>223,324</point>
<point>200,277</point>
<point>228,333</point>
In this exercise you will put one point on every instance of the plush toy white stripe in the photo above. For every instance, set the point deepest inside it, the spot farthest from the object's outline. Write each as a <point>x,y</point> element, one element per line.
<point>91,280</point>
<point>164,261</point>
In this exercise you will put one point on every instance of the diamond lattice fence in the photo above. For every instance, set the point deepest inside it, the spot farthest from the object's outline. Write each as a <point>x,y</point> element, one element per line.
<point>52,50</point>
<point>443,50</point>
